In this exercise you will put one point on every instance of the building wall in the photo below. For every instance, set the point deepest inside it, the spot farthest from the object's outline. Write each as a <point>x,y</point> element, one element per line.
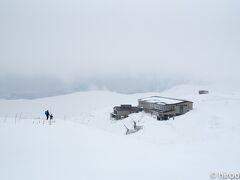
<point>125,112</point>
<point>147,105</point>
<point>177,109</point>
<point>183,108</point>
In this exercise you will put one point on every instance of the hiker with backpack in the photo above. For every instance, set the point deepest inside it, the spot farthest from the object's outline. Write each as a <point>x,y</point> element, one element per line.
<point>47,114</point>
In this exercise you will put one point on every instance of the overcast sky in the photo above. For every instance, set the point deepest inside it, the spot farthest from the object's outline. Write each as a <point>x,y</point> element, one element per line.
<point>88,40</point>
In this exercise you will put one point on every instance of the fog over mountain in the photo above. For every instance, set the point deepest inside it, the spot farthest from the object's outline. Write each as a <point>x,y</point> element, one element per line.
<point>54,47</point>
<point>37,87</point>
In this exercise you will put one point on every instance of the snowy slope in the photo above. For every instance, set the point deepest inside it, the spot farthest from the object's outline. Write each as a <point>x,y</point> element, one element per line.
<point>85,144</point>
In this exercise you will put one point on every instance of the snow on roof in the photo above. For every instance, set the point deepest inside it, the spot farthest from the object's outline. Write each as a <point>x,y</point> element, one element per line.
<point>162,100</point>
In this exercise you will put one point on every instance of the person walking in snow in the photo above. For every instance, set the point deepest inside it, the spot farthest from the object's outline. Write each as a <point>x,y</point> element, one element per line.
<point>47,114</point>
<point>134,125</point>
<point>51,116</point>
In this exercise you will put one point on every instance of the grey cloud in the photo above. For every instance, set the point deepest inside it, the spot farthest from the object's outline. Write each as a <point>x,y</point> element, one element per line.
<point>88,39</point>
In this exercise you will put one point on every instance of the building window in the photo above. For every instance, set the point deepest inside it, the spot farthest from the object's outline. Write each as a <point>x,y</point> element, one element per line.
<point>181,109</point>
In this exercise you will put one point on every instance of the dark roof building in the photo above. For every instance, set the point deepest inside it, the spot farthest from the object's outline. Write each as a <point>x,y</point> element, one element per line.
<point>161,107</point>
<point>164,107</point>
<point>123,111</point>
<point>203,92</point>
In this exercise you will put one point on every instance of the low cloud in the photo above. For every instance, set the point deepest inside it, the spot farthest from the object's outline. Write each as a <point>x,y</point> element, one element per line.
<point>91,44</point>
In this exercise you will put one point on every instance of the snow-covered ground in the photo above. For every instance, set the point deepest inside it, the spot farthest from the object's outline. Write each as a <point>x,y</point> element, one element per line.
<point>84,143</point>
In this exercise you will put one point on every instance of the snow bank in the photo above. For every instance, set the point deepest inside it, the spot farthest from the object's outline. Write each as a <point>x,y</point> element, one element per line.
<point>86,144</point>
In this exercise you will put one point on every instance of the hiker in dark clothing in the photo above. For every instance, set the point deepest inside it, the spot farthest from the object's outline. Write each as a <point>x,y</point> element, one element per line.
<point>134,125</point>
<point>47,114</point>
<point>51,116</point>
